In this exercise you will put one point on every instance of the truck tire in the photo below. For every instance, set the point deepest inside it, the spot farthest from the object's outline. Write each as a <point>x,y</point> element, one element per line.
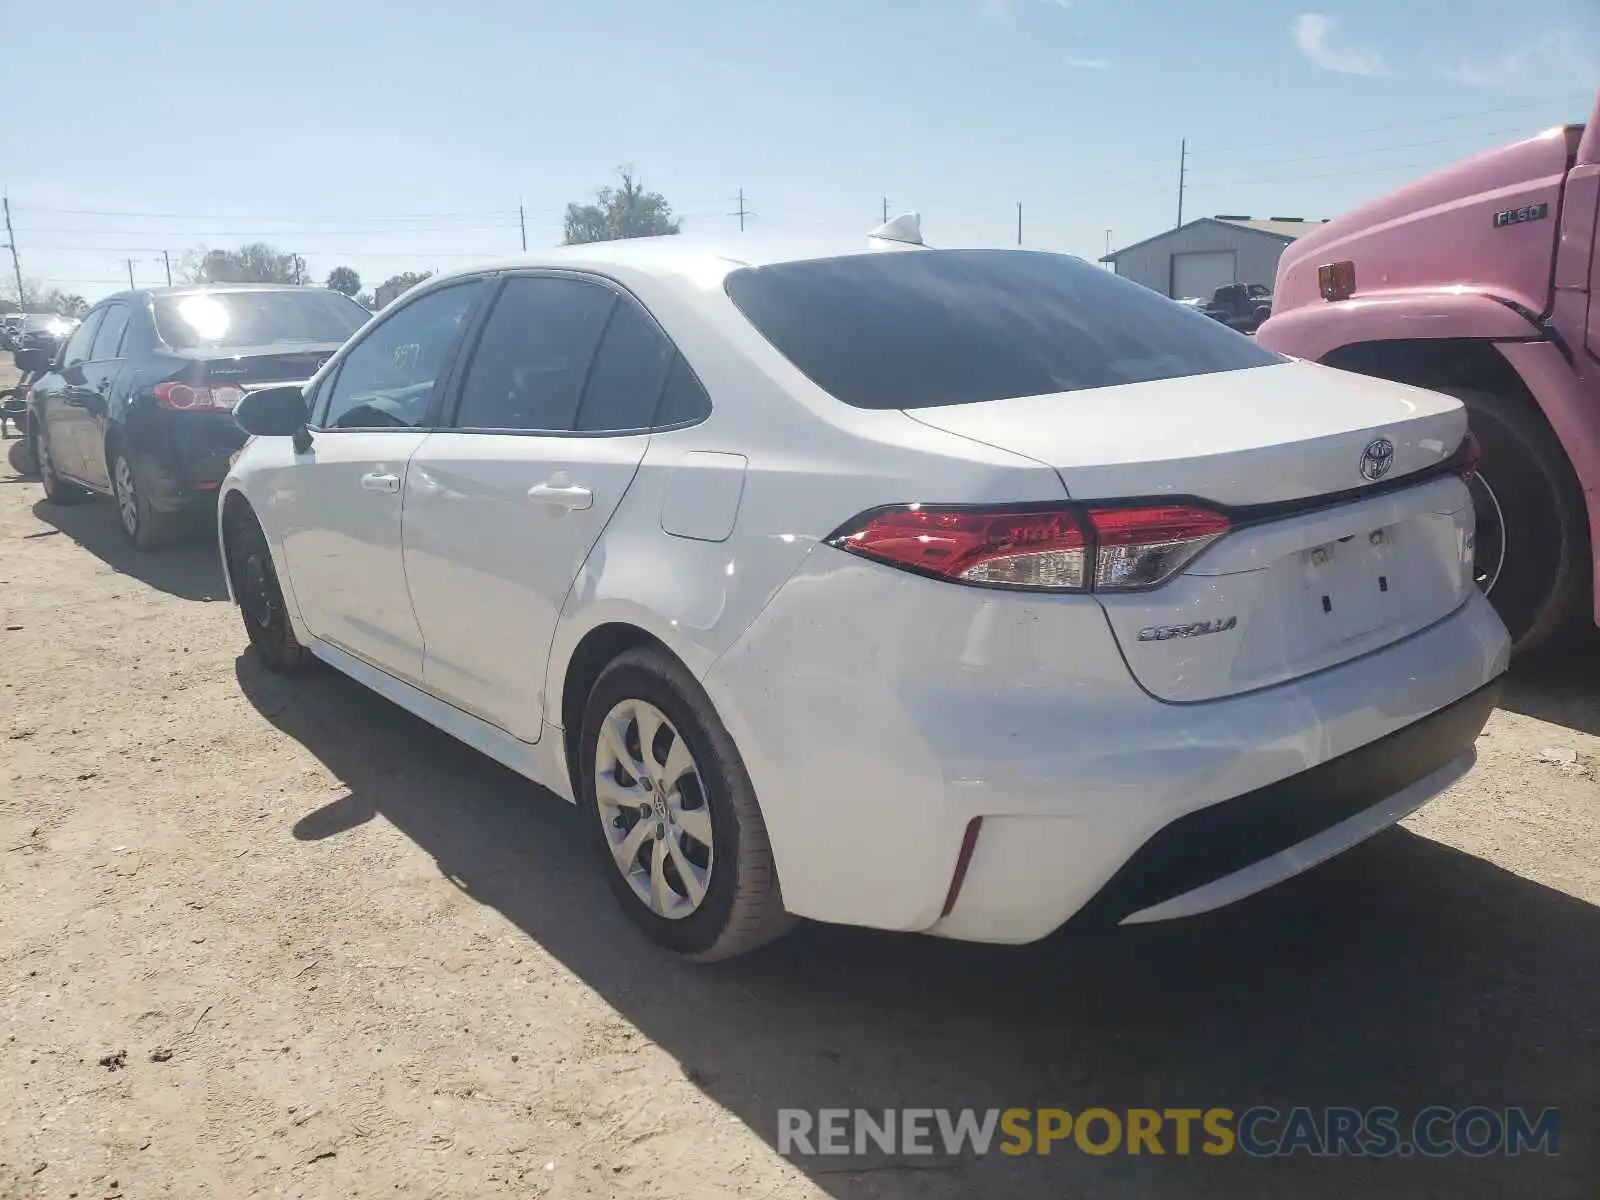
<point>1532,542</point>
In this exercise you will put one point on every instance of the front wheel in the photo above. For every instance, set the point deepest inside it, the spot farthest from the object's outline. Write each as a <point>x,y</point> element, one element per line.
<point>56,489</point>
<point>1531,537</point>
<point>672,812</point>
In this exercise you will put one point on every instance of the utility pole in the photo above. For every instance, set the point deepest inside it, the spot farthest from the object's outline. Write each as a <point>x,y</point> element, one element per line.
<point>1183,164</point>
<point>130,263</point>
<point>1019,222</point>
<point>167,259</point>
<point>11,244</point>
<point>522,222</point>
<point>1110,266</point>
<point>743,211</point>
<point>886,210</point>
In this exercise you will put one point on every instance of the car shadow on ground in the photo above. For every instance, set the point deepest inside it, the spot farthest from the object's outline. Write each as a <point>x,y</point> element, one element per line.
<point>1561,685</point>
<point>190,569</point>
<point>1403,974</point>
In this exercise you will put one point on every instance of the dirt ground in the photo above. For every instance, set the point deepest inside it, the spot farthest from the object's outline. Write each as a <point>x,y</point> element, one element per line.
<point>263,937</point>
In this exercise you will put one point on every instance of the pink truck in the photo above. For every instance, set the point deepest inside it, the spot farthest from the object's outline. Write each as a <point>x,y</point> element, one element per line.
<point>1479,280</point>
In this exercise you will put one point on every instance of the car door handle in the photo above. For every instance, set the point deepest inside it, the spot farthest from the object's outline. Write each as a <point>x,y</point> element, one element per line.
<point>378,481</point>
<point>573,498</point>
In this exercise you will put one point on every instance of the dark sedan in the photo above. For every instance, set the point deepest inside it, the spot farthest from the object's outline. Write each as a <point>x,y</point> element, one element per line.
<point>139,403</point>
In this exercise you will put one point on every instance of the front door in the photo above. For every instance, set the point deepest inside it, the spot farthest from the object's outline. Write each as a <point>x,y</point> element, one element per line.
<point>341,501</point>
<point>100,373</point>
<point>504,506</point>
<point>62,398</point>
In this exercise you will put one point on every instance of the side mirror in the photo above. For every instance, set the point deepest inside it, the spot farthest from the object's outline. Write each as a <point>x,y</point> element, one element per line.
<point>33,360</point>
<point>272,412</point>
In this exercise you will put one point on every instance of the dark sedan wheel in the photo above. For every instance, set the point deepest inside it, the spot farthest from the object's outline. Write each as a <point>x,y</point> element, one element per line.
<point>146,528</point>
<point>255,587</point>
<point>56,489</point>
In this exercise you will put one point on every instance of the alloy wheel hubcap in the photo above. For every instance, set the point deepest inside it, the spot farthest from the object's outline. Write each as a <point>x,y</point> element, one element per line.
<point>653,809</point>
<point>127,502</point>
<point>259,603</point>
<point>1489,534</point>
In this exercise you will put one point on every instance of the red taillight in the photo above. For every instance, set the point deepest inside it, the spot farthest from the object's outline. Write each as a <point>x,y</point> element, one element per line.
<point>185,397</point>
<point>1141,547</point>
<point>1059,548</point>
<point>1337,281</point>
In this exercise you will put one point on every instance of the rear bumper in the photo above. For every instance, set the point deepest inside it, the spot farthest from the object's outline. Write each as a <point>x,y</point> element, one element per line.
<point>879,713</point>
<point>1226,851</point>
<point>184,456</point>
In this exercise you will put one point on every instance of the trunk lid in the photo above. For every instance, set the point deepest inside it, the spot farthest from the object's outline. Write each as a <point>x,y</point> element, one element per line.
<point>1323,564</point>
<point>256,366</point>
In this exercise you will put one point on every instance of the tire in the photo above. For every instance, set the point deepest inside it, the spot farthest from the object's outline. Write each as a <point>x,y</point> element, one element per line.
<point>255,586</point>
<point>148,529</point>
<point>1535,568</point>
<point>56,489</point>
<point>741,904</point>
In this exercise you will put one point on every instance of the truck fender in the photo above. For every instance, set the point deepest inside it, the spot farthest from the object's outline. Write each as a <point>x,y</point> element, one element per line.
<point>1559,393</point>
<point>1315,331</point>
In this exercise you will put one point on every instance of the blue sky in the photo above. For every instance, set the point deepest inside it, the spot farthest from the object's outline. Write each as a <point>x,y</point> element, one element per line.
<point>400,135</point>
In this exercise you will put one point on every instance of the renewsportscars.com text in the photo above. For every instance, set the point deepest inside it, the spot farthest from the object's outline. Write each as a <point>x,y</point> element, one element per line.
<point>1260,1131</point>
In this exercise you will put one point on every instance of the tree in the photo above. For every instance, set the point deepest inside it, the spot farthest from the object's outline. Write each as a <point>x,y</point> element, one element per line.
<point>255,263</point>
<point>344,279</point>
<point>396,285</point>
<point>67,304</point>
<point>622,212</point>
<point>368,301</point>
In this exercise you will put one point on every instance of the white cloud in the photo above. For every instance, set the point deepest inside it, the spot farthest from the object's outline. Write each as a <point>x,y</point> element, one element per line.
<point>1312,33</point>
<point>1548,61</point>
<point>1089,64</point>
<point>1004,11</point>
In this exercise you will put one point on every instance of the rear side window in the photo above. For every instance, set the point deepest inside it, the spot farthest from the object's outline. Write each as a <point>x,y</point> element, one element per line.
<point>531,361</point>
<point>628,373</point>
<point>920,328</point>
<point>684,400</point>
<point>108,341</point>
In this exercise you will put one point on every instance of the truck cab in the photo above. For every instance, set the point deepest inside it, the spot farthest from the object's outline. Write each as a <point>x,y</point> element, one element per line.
<point>1477,280</point>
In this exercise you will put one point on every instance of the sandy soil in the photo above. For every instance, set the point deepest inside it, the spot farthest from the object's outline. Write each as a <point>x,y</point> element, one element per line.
<point>279,938</point>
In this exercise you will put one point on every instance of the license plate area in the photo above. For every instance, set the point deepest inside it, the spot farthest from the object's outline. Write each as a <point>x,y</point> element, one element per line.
<point>1353,586</point>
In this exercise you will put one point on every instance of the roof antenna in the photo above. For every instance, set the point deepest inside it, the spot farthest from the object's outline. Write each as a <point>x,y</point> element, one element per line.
<point>906,229</point>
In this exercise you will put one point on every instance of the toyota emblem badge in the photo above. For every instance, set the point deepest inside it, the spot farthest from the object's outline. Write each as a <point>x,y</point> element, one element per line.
<point>1377,458</point>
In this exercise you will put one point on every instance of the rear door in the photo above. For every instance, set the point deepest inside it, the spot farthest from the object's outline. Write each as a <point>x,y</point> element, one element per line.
<point>339,506</point>
<point>100,373</point>
<point>503,506</point>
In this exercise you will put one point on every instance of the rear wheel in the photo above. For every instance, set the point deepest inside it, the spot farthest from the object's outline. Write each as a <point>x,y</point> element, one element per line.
<point>255,587</point>
<point>1531,547</point>
<point>56,489</point>
<point>673,814</point>
<point>147,528</point>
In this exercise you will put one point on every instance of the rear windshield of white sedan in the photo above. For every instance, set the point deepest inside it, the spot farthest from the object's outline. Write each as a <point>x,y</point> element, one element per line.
<point>918,328</point>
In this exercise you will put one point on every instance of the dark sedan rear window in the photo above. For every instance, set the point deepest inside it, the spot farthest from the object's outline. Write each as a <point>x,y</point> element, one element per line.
<point>918,328</point>
<point>197,319</point>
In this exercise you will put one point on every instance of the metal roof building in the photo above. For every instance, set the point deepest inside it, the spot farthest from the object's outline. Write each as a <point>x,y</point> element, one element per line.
<point>1195,259</point>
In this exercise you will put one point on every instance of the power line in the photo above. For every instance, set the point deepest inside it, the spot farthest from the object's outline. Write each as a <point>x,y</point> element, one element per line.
<point>1389,127</point>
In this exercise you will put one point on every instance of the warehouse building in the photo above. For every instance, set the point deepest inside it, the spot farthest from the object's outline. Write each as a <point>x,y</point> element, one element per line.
<point>1194,260</point>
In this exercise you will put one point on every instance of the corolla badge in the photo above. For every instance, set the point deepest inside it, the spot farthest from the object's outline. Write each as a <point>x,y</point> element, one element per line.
<point>1165,633</point>
<point>1377,458</point>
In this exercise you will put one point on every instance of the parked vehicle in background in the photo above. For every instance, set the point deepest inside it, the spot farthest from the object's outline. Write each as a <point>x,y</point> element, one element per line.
<point>14,400</point>
<point>1479,281</point>
<point>957,591</point>
<point>139,403</point>
<point>10,328</point>
<point>1241,306</point>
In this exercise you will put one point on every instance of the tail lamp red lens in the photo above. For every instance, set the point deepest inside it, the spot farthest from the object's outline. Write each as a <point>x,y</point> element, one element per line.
<point>187,397</point>
<point>1060,548</point>
<point>1337,280</point>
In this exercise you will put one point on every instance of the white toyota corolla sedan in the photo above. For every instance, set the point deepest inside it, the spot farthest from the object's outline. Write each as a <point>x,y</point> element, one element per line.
<point>968,592</point>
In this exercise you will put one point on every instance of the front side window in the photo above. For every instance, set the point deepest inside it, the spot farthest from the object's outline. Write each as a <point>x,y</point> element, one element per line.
<point>387,379</point>
<point>529,367</point>
<point>77,349</point>
<point>108,341</point>
<point>929,327</point>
